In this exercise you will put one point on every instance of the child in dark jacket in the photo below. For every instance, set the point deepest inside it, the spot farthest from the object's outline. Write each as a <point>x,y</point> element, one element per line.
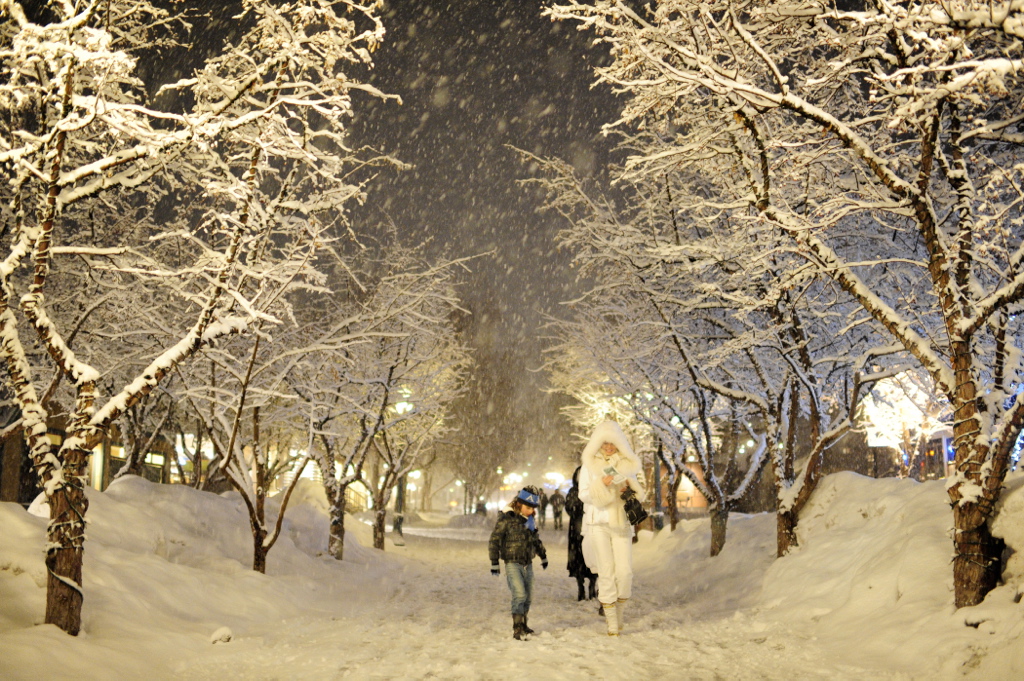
<point>516,541</point>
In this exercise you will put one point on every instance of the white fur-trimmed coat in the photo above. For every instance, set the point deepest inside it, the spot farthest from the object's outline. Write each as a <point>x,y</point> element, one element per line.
<point>602,504</point>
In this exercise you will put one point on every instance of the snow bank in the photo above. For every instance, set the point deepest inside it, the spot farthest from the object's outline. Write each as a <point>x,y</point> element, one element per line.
<point>871,580</point>
<point>170,594</point>
<point>166,567</point>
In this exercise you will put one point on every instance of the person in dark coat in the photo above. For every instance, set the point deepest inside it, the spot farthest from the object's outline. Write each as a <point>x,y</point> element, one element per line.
<point>557,501</point>
<point>542,514</point>
<point>577,566</point>
<point>516,541</point>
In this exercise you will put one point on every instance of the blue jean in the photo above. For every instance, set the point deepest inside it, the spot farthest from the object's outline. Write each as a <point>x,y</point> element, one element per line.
<point>520,583</point>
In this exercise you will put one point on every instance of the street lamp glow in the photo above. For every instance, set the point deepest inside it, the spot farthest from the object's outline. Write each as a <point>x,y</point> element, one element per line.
<point>555,477</point>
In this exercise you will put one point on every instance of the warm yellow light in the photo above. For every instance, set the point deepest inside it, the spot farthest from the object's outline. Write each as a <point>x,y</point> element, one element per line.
<point>555,477</point>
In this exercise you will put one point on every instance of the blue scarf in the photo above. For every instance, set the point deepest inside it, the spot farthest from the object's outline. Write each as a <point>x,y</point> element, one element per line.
<point>531,524</point>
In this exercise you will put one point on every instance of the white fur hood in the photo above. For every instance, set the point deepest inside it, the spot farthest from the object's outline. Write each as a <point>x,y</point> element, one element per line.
<point>603,505</point>
<point>593,459</point>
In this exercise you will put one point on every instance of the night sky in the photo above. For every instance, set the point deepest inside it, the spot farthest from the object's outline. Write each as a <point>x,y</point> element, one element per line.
<point>475,76</point>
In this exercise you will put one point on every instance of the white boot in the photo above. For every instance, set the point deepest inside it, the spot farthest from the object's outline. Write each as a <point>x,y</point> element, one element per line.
<point>620,605</point>
<point>611,616</point>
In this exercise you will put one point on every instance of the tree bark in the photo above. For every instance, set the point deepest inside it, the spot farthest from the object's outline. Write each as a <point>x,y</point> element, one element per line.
<point>66,534</point>
<point>259,551</point>
<point>133,463</point>
<point>673,502</point>
<point>719,521</point>
<point>64,561</point>
<point>399,512</point>
<point>426,496</point>
<point>379,516</point>
<point>659,508</point>
<point>336,538</point>
<point>785,523</point>
<point>977,560</point>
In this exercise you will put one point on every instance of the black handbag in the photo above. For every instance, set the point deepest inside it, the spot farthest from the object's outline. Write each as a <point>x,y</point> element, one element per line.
<point>634,509</point>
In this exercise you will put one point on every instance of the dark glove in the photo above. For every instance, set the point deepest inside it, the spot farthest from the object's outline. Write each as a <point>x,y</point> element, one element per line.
<point>627,494</point>
<point>494,569</point>
<point>544,563</point>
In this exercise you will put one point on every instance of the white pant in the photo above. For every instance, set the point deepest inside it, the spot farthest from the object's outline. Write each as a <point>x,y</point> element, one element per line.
<point>609,552</point>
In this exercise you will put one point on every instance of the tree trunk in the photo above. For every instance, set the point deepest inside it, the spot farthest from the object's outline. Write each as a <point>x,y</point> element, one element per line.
<point>785,523</point>
<point>66,534</point>
<point>719,520</point>
<point>336,539</point>
<point>64,557</point>
<point>659,509</point>
<point>399,538</point>
<point>673,502</point>
<point>978,558</point>
<point>426,495</point>
<point>379,515</point>
<point>259,551</point>
<point>132,461</point>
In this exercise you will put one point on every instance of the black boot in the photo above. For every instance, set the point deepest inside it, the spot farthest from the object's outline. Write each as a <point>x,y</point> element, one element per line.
<point>526,627</point>
<point>582,594</point>
<point>518,625</point>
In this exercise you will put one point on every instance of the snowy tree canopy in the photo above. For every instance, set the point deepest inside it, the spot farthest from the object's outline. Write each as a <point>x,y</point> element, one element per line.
<point>884,142</point>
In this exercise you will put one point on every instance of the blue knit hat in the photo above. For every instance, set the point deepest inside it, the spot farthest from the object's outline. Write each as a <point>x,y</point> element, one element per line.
<point>528,498</point>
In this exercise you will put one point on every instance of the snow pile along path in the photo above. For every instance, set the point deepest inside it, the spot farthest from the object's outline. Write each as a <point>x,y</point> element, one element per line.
<point>169,595</point>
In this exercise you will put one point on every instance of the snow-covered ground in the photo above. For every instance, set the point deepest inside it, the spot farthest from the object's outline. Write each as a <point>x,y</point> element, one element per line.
<point>866,596</point>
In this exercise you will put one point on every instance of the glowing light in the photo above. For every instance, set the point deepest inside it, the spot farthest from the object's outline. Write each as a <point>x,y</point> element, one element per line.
<point>555,477</point>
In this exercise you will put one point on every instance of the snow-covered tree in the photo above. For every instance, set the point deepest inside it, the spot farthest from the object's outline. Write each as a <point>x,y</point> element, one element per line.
<point>706,353</point>
<point>88,159</point>
<point>422,365</point>
<point>140,426</point>
<point>242,408</point>
<point>338,402</point>
<point>613,352</point>
<point>884,141</point>
<point>348,382</point>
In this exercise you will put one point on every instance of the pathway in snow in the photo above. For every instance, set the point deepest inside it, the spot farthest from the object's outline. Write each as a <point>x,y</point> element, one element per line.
<point>440,614</point>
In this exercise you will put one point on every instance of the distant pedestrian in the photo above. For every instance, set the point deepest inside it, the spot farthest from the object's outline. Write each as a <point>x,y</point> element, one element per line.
<point>577,565</point>
<point>557,502</point>
<point>607,476</point>
<point>516,541</point>
<point>543,513</point>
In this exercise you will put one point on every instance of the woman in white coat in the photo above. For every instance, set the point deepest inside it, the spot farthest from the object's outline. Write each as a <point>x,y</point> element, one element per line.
<point>609,468</point>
